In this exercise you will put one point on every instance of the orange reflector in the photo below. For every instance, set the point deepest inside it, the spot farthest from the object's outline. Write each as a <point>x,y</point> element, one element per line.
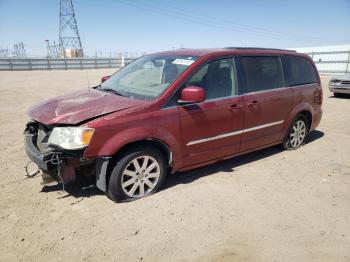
<point>86,137</point>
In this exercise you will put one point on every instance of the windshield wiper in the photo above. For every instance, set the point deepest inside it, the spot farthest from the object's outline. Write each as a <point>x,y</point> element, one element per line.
<point>112,91</point>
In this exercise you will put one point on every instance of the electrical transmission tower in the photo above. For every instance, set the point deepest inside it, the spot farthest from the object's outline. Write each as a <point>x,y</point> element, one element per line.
<point>52,50</point>
<point>69,38</point>
<point>4,52</point>
<point>19,50</point>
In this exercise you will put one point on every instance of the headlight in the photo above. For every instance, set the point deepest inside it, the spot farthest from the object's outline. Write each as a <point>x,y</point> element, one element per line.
<point>71,137</point>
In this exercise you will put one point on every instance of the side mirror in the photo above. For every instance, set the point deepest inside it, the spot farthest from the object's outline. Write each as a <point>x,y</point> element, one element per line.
<point>104,78</point>
<point>192,94</point>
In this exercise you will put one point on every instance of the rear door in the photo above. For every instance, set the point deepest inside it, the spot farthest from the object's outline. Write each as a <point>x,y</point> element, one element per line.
<point>267,103</point>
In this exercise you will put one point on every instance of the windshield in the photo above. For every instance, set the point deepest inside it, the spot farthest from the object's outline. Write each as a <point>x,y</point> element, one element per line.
<point>147,77</point>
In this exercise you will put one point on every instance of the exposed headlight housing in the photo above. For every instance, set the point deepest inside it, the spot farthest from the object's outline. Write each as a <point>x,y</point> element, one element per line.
<point>71,138</point>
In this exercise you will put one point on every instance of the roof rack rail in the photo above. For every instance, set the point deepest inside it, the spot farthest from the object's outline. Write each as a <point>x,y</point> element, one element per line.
<point>258,48</point>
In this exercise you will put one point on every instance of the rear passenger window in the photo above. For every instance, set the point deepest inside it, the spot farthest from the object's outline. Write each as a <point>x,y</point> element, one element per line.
<point>262,72</point>
<point>299,71</point>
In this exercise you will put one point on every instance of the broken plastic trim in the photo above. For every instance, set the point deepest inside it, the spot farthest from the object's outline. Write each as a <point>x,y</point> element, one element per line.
<point>32,174</point>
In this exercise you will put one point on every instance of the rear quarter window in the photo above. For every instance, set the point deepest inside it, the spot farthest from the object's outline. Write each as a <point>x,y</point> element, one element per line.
<point>298,71</point>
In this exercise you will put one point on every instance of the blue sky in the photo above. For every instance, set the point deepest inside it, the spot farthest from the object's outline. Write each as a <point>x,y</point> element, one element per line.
<point>153,25</point>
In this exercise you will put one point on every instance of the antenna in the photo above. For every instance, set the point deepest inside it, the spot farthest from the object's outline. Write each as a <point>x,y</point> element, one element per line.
<point>88,81</point>
<point>69,37</point>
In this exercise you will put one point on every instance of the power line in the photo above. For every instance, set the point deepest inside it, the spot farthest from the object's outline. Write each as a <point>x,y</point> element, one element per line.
<point>232,23</point>
<point>214,22</point>
<point>182,17</point>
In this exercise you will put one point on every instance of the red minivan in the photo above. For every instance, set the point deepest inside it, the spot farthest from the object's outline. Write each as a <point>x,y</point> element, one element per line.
<point>174,111</point>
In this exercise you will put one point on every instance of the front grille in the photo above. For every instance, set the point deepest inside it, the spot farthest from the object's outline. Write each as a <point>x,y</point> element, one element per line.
<point>345,82</point>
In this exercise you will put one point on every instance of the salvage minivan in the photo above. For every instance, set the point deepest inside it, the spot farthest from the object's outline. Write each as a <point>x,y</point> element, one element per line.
<point>175,111</point>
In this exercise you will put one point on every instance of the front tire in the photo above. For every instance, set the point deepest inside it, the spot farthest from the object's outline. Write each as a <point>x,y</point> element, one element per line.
<point>137,173</point>
<point>296,133</point>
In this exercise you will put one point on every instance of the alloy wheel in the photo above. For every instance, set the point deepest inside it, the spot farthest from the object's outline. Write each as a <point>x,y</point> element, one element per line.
<point>297,133</point>
<point>140,176</point>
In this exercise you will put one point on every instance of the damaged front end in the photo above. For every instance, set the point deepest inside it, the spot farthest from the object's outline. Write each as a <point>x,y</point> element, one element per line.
<point>59,163</point>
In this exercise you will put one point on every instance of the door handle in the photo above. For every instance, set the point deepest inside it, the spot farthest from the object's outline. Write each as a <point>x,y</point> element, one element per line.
<point>235,106</point>
<point>253,103</point>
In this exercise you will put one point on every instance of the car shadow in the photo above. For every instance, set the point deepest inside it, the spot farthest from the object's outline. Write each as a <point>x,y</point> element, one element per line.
<point>340,96</point>
<point>314,135</point>
<point>230,164</point>
<point>85,187</point>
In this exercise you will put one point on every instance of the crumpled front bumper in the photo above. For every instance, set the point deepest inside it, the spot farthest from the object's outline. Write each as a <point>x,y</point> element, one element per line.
<point>62,164</point>
<point>59,164</point>
<point>41,159</point>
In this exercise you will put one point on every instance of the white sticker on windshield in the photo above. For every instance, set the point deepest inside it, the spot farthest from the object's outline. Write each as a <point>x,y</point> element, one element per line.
<point>182,62</point>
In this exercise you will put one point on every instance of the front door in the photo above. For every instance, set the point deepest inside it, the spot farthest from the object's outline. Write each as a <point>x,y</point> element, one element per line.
<point>212,129</point>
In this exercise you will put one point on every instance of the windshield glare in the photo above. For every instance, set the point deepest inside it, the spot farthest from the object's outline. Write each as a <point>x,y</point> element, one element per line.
<point>147,77</point>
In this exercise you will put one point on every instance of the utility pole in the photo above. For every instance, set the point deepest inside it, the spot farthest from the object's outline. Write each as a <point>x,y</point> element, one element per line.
<point>69,37</point>
<point>48,53</point>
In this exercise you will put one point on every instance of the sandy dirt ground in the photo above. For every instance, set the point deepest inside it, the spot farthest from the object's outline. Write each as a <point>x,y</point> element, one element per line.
<point>271,205</point>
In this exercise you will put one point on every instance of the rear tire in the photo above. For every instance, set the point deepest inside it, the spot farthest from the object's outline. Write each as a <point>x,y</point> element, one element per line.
<point>137,173</point>
<point>336,94</point>
<point>297,133</point>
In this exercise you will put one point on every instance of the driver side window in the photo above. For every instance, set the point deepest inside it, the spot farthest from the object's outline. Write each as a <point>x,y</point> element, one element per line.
<point>218,79</point>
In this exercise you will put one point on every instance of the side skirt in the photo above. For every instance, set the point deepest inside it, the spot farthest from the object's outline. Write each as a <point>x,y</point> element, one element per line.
<point>186,168</point>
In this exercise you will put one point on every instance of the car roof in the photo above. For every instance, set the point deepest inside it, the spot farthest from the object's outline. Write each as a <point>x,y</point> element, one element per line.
<point>228,51</point>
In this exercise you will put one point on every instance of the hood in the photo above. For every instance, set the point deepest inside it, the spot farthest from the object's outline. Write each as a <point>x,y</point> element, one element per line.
<point>79,106</point>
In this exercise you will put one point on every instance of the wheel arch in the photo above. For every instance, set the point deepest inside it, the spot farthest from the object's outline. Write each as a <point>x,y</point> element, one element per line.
<point>308,116</point>
<point>304,109</point>
<point>162,146</point>
<point>102,179</point>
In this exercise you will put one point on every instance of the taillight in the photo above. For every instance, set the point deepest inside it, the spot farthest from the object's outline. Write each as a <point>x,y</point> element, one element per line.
<point>318,96</point>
